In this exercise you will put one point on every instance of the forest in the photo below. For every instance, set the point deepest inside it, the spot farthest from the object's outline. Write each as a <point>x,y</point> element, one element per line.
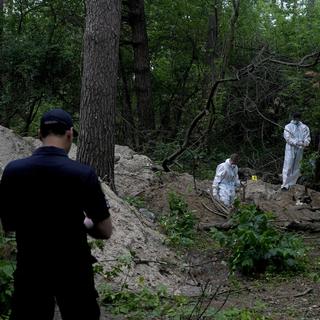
<point>161,92</point>
<point>184,82</point>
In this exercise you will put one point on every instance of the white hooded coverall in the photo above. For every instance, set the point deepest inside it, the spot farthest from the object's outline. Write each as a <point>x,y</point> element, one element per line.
<point>297,136</point>
<point>225,182</point>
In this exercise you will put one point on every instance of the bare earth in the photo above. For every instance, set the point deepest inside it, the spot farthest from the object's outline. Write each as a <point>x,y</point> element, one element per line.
<point>277,297</point>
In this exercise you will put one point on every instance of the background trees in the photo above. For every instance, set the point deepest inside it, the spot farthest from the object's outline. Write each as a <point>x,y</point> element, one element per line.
<point>171,54</point>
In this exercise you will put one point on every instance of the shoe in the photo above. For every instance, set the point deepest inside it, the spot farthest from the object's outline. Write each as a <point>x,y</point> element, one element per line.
<point>284,189</point>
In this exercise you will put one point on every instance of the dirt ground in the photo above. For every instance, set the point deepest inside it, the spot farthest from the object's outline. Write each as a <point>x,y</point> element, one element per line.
<point>279,296</point>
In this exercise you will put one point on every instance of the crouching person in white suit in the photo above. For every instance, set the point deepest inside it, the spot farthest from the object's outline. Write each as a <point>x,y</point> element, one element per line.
<point>226,180</point>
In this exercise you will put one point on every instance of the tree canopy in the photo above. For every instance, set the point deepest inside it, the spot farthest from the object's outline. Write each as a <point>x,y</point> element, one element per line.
<point>172,53</point>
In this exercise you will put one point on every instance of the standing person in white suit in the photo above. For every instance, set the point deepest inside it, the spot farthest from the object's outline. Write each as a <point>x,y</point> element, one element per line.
<point>297,136</point>
<point>226,180</point>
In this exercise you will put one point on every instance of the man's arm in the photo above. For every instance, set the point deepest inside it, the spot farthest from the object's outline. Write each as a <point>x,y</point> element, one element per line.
<point>307,138</point>
<point>98,220</point>
<point>6,214</point>
<point>289,137</point>
<point>220,173</point>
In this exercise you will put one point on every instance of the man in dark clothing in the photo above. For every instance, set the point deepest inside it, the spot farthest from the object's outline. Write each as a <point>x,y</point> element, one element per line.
<point>51,202</point>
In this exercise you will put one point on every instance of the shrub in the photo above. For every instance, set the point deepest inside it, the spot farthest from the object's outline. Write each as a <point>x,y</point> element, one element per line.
<point>256,246</point>
<point>179,223</point>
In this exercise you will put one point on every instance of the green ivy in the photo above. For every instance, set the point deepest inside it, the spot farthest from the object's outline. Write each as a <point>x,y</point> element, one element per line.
<point>256,246</point>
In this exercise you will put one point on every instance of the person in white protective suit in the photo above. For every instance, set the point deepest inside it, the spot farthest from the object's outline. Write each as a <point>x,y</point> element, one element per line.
<point>226,180</point>
<point>297,136</point>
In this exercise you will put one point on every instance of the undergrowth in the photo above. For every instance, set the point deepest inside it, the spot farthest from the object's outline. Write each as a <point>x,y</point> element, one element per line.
<point>145,303</point>
<point>7,267</point>
<point>179,223</point>
<point>257,246</point>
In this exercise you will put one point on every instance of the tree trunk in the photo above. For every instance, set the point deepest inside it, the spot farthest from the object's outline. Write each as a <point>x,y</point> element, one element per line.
<point>127,122</point>
<point>142,73</point>
<point>229,42</point>
<point>1,55</point>
<point>99,87</point>
<point>210,49</point>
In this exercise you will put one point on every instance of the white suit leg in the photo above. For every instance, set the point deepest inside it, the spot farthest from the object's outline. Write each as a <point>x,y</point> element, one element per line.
<point>296,167</point>
<point>291,166</point>
<point>287,166</point>
<point>226,194</point>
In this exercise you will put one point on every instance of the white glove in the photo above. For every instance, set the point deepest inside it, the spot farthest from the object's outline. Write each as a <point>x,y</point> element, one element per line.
<point>214,191</point>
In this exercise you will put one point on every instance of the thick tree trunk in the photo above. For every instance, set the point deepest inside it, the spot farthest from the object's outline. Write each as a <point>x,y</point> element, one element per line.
<point>127,122</point>
<point>142,73</point>
<point>99,87</point>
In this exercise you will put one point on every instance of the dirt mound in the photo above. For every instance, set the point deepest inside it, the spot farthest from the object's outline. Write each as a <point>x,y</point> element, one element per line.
<point>134,236</point>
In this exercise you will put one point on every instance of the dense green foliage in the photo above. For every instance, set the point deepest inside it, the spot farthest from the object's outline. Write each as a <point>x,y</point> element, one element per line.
<point>256,246</point>
<point>40,48</point>
<point>179,223</point>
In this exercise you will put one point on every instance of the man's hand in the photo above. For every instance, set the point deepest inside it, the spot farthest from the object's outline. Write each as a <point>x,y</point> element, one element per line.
<point>88,223</point>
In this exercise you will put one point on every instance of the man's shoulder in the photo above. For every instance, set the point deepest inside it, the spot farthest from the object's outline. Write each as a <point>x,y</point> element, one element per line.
<point>222,165</point>
<point>304,125</point>
<point>17,164</point>
<point>74,165</point>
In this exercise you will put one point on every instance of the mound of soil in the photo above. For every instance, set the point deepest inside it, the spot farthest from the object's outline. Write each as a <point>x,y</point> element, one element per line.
<point>195,270</point>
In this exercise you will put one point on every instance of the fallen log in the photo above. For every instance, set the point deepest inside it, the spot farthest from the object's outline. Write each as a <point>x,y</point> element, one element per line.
<point>303,226</point>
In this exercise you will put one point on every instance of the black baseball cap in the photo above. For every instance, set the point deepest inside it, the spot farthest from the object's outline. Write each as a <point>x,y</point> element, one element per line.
<point>58,116</point>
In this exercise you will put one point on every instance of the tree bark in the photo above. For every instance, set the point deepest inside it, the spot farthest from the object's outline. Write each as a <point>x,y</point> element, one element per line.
<point>127,126</point>
<point>229,42</point>
<point>99,87</point>
<point>210,49</point>
<point>1,53</point>
<point>137,21</point>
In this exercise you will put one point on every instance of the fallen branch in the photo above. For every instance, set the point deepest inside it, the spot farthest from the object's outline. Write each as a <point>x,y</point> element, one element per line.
<point>303,293</point>
<point>299,226</point>
<point>214,211</point>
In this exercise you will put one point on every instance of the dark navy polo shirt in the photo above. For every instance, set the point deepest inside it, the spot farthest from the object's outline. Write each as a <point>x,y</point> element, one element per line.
<point>43,198</point>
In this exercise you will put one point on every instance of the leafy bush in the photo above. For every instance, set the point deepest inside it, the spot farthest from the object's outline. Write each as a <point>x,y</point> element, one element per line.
<point>308,166</point>
<point>7,267</point>
<point>179,223</point>
<point>256,246</point>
